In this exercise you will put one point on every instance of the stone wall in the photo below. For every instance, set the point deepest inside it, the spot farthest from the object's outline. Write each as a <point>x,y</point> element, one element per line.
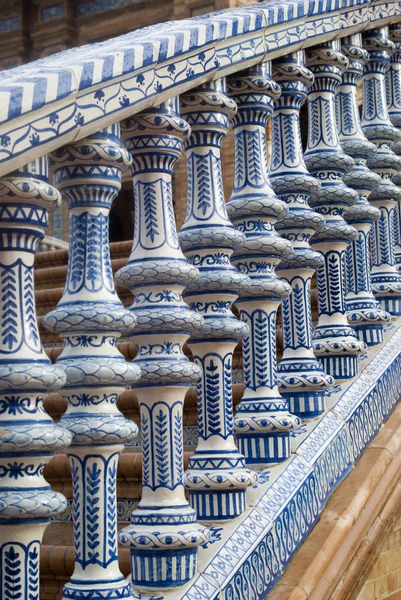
<point>384,581</point>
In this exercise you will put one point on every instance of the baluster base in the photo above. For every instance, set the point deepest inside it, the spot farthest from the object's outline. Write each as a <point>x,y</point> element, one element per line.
<point>118,590</point>
<point>387,290</point>
<point>303,384</point>
<point>367,318</point>
<point>163,542</point>
<point>153,570</point>
<point>217,483</point>
<point>370,334</point>
<point>218,505</point>
<point>306,406</point>
<point>264,449</point>
<point>340,367</point>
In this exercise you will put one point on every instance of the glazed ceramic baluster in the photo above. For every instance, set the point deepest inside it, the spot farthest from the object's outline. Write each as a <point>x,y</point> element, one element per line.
<point>393,93</point>
<point>376,125</point>
<point>335,343</point>
<point>263,421</point>
<point>164,535</point>
<point>217,476</point>
<point>302,380</point>
<point>363,310</point>
<point>90,318</point>
<point>28,436</point>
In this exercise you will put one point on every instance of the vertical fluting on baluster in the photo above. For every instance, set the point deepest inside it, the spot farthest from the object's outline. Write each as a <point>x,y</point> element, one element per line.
<point>363,310</point>
<point>28,436</point>
<point>376,125</point>
<point>90,318</point>
<point>263,421</point>
<point>164,535</point>
<point>302,380</point>
<point>335,343</point>
<point>393,93</point>
<point>217,477</point>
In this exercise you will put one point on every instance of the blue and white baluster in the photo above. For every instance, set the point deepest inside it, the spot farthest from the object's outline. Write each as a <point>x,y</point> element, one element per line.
<point>164,535</point>
<point>335,343</point>
<point>90,318</point>
<point>302,380</point>
<point>217,477</point>
<point>363,310</point>
<point>393,92</point>
<point>263,422</point>
<point>376,125</point>
<point>28,436</point>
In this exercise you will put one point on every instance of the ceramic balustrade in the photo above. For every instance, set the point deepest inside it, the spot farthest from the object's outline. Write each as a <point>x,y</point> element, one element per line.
<point>363,310</point>
<point>302,380</point>
<point>164,535</point>
<point>263,422</point>
<point>217,477</point>
<point>90,318</point>
<point>335,342</point>
<point>393,95</point>
<point>28,436</point>
<point>376,125</point>
<point>284,225</point>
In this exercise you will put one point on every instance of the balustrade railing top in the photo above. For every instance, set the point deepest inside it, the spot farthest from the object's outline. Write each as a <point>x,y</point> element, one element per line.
<point>187,80</point>
<point>67,96</point>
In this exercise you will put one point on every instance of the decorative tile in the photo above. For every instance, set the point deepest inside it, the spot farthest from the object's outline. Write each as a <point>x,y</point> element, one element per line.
<point>238,545</point>
<point>227,37</point>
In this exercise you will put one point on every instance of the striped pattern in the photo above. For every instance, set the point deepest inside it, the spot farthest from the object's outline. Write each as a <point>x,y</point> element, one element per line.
<point>340,367</point>
<point>264,449</point>
<point>391,305</point>
<point>370,335</point>
<point>163,569</point>
<point>218,505</point>
<point>306,406</point>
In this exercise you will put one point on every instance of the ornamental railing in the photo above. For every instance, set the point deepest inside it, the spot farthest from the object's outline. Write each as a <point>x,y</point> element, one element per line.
<point>71,125</point>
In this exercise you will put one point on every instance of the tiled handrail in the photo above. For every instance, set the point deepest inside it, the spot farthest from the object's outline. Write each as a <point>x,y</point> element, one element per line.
<point>70,95</point>
<point>69,106</point>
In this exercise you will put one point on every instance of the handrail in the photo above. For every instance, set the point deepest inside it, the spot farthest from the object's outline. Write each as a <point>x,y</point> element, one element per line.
<point>69,95</point>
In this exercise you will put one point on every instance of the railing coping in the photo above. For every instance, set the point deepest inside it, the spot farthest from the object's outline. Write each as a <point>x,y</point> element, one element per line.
<point>69,95</point>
